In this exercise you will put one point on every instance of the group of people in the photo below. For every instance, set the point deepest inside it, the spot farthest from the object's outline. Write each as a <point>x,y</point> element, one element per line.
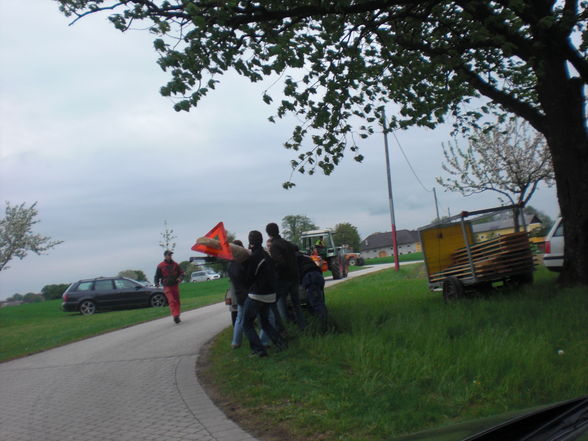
<point>264,283</point>
<point>262,286</point>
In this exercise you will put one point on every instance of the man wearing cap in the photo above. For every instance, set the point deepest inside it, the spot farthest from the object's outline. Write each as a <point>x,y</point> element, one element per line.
<point>170,274</point>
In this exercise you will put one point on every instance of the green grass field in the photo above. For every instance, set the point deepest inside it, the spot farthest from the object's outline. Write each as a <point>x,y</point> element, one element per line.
<point>34,327</point>
<point>400,360</point>
<point>397,359</point>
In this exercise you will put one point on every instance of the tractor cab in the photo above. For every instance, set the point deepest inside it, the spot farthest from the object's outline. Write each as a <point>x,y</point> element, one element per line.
<point>319,244</point>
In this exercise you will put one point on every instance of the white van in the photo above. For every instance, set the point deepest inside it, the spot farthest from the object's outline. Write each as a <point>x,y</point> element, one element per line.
<point>203,276</point>
<point>554,247</point>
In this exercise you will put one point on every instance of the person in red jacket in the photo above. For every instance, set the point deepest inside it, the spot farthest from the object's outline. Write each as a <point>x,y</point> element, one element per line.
<point>170,274</point>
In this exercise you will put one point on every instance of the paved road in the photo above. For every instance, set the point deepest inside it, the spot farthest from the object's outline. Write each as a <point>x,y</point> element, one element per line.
<point>135,384</point>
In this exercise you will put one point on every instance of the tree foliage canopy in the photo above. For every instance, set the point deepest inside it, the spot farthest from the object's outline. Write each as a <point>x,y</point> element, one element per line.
<point>509,159</point>
<point>346,234</point>
<point>16,234</point>
<point>137,275</point>
<point>293,225</point>
<point>51,292</point>
<point>350,58</point>
<point>342,61</point>
<point>188,268</point>
<point>546,221</point>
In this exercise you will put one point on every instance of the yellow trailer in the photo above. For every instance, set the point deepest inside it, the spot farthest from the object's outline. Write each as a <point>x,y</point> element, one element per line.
<point>456,263</point>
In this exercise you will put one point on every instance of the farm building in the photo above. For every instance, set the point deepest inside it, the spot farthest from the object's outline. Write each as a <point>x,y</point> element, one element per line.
<point>489,230</point>
<point>380,244</point>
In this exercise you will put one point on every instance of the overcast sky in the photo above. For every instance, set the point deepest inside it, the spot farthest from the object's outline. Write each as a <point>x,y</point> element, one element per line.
<point>85,132</point>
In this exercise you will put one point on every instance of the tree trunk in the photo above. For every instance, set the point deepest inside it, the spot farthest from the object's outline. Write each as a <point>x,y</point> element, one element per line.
<point>516,212</point>
<point>565,129</point>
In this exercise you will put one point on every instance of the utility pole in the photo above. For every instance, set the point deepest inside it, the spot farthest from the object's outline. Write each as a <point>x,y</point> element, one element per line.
<point>390,200</point>
<point>436,205</point>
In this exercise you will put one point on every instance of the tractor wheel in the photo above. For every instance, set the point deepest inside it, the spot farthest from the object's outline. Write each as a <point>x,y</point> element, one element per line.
<point>335,267</point>
<point>352,261</point>
<point>452,289</point>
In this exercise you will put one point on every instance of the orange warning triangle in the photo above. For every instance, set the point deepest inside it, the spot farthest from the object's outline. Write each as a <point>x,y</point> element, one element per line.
<point>218,233</point>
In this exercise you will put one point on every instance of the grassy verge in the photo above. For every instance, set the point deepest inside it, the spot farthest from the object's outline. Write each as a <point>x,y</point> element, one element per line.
<point>390,259</point>
<point>35,327</point>
<point>399,360</point>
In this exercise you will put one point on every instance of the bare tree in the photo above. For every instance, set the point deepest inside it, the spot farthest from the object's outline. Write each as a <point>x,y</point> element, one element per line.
<point>510,159</point>
<point>167,238</point>
<point>17,237</point>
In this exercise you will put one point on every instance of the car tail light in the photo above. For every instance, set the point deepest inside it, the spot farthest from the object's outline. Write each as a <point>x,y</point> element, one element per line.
<point>547,247</point>
<point>64,297</point>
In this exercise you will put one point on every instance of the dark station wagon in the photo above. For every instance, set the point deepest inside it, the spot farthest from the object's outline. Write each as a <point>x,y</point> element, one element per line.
<point>89,295</point>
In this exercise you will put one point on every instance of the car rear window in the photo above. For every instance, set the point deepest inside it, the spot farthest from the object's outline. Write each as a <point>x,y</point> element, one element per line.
<point>559,231</point>
<point>85,286</point>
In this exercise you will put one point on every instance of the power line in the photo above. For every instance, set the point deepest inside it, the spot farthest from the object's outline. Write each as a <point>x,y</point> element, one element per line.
<point>409,164</point>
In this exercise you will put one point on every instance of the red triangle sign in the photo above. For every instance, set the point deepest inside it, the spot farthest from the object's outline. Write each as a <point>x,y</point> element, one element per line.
<point>218,233</point>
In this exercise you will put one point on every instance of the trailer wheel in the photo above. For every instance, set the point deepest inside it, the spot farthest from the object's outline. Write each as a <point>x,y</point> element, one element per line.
<point>452,289</point>
<point>521,279</point>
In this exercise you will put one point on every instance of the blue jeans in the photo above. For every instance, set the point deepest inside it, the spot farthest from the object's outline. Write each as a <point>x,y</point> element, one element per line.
<point>276,322</point>
<point>283,289</point>
<point>238,327</point>
<point>253,308</point>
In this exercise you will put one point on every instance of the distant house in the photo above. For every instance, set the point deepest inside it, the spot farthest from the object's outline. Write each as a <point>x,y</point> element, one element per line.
<point>380,244</point>
<point>489,230</point>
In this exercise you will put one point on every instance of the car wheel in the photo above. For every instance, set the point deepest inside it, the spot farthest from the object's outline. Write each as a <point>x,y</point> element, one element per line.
<point>452,289</point>
<point>87,307</point>
<point>157,300</point>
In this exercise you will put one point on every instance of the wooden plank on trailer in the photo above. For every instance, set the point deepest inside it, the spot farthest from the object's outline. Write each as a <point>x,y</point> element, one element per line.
<point>462,252</point>
<point>505,239</point>
<point>492,253</point>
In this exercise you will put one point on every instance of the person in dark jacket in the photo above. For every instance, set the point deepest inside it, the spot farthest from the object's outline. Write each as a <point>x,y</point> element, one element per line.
<point>283,254</point>
<point>170,275</point>
<point>313,282</point>
<point>260,278</point>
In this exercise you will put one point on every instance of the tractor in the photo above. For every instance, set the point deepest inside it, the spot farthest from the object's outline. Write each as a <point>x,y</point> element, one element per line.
<point>319,245</point>
<point>352,258</point>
